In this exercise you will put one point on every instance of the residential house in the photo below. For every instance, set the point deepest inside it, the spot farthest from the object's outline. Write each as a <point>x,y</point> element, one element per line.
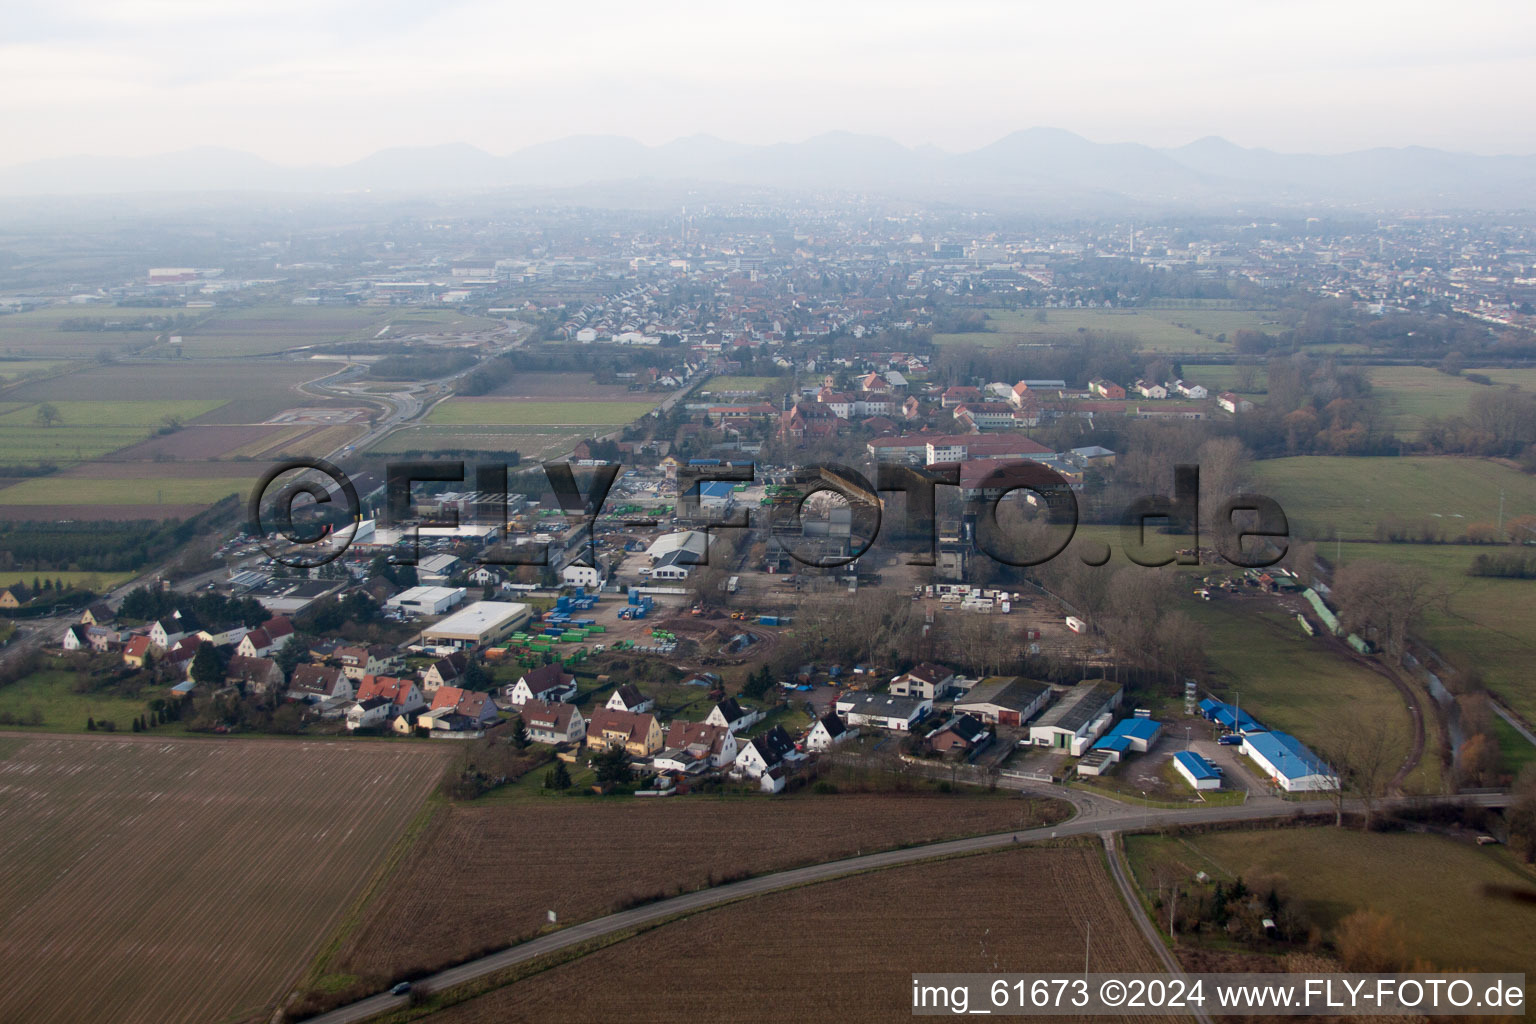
<point>548,683</point>
<point>468,709</point>
<point>76,638</point>
<point>373,660</point>
<point>731,715</point>
<point>926,680</point>
<point>1106,389</point>
<point>318,683</point>
<point>553,723</point>
<point>962,733</point>
<point>135,651</point>
<point>366,714</point>
<point>1189,390</point>
<point>254,675</point>
<point>403,694</point>
<point>828,732</point>
<point>700,739</point>
<point>639,735</point>
<point>97,613</point>
<point>445,671</point>
<point>1150,389</point>
<point>1233,403</point>
<point>14,597</point>
<point>765,752</point>
<point>629,698</point>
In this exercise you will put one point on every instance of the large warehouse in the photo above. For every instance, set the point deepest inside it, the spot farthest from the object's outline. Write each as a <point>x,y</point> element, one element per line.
<point>483,622</point>
<point>1288,763</point>
<point>1081,714</point>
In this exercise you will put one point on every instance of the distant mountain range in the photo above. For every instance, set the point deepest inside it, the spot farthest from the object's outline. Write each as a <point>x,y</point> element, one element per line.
<point>1035,165</point>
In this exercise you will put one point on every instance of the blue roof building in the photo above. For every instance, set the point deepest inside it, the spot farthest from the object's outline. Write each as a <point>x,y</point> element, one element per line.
<point>1197,771</point>
<point>1288,762</point>
<point>1229,717</point>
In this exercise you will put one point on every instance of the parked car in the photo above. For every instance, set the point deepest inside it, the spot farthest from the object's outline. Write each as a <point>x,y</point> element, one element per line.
<point>1231,739</point>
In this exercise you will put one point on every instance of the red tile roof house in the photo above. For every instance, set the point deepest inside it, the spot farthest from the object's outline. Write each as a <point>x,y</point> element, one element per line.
<point>553,723</point>
<point>403,694</point>
<point>702,739</point>
<point>471,710</point>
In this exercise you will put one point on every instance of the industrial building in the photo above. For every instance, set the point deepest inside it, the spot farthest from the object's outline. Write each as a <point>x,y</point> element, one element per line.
<point>1288,763</point>
<point>1196,770</point>
<point>1005,700</point>
<point>481,623</point>
<point>882,710</point>
<point>1083,713</point>
<point>426,600</point>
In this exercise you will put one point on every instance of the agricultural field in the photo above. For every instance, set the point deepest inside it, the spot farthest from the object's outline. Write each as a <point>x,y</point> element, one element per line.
<point>612,851</point>
<point>1486,622</point>
<point>1433,886</point>
<point>571,387</point>
<point>245,391</point>
<point>1219,377</point>
<point>561,412</point>
<point>1296,683</point>
<point>1155,330</point>
<point>135,490</point>
<point>529,442</point>
<point>1409,395</point>
<point>1026,909</point>
<point>150,879</point>
<point>1328,496</point>
<point>99,582</point>
<point>84,429</point>
<point>36,335</point>
<point>262,330</point>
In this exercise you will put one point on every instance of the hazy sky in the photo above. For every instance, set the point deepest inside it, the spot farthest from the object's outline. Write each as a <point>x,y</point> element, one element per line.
<point>326,81</point>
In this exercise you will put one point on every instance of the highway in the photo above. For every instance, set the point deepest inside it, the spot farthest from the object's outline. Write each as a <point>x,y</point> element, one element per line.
<point>1097,815</point>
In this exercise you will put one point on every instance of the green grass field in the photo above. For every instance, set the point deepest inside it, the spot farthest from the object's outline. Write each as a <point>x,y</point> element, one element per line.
<point>524,413</point>
<point>1155,330</point>
<point>100,582</point>
<point>56,490</point>
<point>1489,623</point>
<point>36,334</point>
<point>85,430</point>
<point>63,710</point>
<point>1411,394</point>
<point>1326,496</point>
<point>1431,885</point>
<point>1296,683</point>
<point>1219,377</point>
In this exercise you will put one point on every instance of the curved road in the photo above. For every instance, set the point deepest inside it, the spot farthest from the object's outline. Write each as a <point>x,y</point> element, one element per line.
<point>1103,817</point>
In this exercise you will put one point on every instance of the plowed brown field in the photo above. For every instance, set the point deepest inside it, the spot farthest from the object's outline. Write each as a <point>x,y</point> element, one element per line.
<point>844,950</point>
<point>487,875</point>
<point>185,880</point>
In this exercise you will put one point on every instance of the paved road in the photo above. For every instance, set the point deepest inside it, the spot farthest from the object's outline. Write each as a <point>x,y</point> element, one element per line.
<point>1139,915</point>
<point>1103,817</point>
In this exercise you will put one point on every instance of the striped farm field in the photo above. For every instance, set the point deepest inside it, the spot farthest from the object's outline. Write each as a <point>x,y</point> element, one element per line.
<point>185,880</point>
<point>85,430</point>
<point>526,412</point>
<point>147,490</point>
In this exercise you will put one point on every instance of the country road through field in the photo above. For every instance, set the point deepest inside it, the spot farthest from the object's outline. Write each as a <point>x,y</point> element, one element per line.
<point>1108,818</point>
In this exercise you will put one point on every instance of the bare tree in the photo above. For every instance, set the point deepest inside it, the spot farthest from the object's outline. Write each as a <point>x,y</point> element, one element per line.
<point>1386,600</point>
<point>1364,756</point>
